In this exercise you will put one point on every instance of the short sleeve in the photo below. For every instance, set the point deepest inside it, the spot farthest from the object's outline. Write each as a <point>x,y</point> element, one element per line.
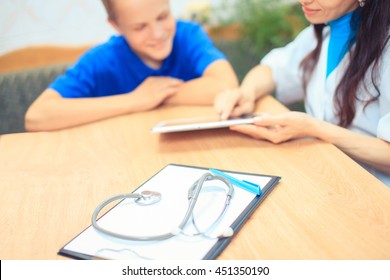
<point>285,65</point>
<point>103,70</point>
<point>77,81</point>
<point>200,49</point>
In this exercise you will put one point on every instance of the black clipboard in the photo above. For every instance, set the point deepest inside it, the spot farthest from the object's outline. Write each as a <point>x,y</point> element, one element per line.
<point>76,247</point>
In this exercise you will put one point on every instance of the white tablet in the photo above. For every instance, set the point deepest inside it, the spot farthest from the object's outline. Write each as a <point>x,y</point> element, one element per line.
<point>188,124</point>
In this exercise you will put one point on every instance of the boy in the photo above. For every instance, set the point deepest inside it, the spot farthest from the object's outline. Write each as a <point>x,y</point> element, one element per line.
<point>154,60</point>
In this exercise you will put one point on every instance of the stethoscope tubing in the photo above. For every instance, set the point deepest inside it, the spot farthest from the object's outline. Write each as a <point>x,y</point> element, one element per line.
<point>193,195</point>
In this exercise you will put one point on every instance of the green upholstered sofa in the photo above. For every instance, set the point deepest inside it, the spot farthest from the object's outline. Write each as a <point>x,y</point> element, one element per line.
<point>19,89</point>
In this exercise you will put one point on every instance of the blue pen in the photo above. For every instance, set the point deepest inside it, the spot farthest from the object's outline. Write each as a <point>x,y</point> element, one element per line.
<point>246,185</point>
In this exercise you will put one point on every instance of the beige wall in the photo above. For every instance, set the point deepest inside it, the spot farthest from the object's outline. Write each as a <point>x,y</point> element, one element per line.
<point>60,22</point>
<point>25,23</point>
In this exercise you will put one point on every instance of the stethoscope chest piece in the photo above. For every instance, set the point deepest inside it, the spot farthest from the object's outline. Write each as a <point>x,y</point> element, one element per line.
<point>148,198</point>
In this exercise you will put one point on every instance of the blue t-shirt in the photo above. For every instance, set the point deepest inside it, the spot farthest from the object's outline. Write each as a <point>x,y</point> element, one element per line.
<point>113,68</point>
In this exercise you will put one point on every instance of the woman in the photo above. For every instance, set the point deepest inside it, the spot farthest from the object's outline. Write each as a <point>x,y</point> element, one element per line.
<point>340,67</point>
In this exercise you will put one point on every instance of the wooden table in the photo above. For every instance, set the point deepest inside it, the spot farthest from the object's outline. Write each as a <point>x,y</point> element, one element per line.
<point>325,207</point>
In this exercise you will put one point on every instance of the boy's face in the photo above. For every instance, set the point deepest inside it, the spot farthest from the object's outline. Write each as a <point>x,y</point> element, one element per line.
<point>148,26</point>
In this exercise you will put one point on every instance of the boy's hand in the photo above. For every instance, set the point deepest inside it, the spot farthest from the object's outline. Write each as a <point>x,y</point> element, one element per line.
<point>154,90</point>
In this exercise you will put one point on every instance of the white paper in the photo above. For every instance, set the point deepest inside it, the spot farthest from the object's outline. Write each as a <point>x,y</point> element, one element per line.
<point>173,182</point>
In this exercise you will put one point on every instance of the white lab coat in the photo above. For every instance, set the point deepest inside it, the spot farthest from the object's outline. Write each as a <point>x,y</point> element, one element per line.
<point>284,62</point>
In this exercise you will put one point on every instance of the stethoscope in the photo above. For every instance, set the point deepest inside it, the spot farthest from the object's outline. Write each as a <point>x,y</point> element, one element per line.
<point>151,197</point>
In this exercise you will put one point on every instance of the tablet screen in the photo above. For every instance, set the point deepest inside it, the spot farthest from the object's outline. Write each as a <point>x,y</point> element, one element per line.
<point>210,122</point>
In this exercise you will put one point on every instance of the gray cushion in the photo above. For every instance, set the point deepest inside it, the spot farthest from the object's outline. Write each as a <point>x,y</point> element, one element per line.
<point>19,89</point>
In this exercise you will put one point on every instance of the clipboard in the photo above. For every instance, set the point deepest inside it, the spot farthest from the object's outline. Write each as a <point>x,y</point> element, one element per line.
<point>173,182</point>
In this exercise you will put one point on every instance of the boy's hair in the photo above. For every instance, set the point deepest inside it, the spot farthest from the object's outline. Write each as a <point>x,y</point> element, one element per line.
<point>109,5</point>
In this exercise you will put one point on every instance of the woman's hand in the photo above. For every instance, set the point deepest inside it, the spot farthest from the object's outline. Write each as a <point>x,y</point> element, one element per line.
<point>279,128</point>
<point>234,103</point>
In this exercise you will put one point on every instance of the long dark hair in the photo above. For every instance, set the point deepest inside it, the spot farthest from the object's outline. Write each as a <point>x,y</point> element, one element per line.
<point>371,39</point>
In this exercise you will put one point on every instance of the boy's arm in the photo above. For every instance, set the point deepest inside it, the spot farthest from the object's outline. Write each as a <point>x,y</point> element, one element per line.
<point>217,77</point>
<point>50,111</point>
